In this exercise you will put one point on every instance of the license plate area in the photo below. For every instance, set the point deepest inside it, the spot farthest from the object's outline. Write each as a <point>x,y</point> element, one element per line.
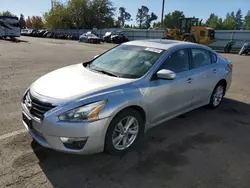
<point>27,121</point>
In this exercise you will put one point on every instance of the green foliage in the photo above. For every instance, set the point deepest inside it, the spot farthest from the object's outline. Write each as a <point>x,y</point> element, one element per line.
<point>229,23</point>
<point>157,25</point>
<point>6,13</point>
<point>172,20</point>
<point>239,20</point>
<point>144,19</point>
<point>58,17</point>
<point>124,16</point>
<point>214,21</point>
<point>247,20</point>
<point>81,14</point>
<point>35,22</point>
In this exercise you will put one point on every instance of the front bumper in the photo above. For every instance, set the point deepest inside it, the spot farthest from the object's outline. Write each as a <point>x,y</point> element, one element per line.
<point>48,133</point>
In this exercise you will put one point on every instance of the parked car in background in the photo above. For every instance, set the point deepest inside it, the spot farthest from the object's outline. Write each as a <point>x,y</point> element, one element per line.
<point>118,38</point>
<point>108,103</point>
<point>27,32</point>
<point>107,37</point>
<point>89,38</point>
<point>245,49</point>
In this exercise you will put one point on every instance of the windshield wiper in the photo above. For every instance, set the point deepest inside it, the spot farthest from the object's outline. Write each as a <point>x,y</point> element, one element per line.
<point>105,72</point>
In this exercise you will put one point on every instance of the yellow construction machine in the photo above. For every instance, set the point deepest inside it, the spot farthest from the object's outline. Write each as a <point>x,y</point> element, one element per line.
<point>190,30</point>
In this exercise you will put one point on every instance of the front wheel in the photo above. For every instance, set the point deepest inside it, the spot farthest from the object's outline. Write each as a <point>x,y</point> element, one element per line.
<point>124,132</point>
<point>189,39</point>
<point>217,96</point>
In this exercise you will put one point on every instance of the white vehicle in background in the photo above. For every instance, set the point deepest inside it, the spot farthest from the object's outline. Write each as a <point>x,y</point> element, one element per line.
<point>9,27</point>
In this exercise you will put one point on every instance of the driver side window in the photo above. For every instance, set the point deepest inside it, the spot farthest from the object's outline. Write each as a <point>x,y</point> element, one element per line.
<point>177,61</point>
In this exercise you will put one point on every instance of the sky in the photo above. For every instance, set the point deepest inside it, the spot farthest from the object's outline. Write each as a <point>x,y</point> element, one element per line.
<point>198,8</point>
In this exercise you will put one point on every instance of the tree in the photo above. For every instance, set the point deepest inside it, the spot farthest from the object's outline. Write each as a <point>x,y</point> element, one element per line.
<point>22,21</point>
<point>157,25</point>
<point>214,21</point>
<point>58,17</point>
<point>28,22</point>
<point>172,20</point>
<point>81,14</point>
<point>102,13</point>
<point>143,18</point>
<point>229,23</point>
<point>151,18</point>
<point>6,13</point>
<point>239,20</point>
<point>124,16</point>
<point>117,24</point>
<point>247,20</point>
<point>35,22</point>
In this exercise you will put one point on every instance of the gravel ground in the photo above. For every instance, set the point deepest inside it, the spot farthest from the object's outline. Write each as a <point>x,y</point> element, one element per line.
<point>201,149</point>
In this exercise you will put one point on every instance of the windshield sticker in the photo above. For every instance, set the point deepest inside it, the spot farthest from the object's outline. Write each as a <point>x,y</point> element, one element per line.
<point>153,50</point>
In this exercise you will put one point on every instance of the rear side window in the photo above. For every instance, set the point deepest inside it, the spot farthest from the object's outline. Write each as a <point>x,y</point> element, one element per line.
<point>213,57</point>
<point>200,58</point>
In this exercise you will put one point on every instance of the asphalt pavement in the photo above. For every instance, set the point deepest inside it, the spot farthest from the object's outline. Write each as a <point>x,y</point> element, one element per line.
<point>201,149</point>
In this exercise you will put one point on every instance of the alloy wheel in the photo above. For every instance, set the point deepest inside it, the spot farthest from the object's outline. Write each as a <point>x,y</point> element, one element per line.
<point>125,133</point>
<point>218,95</point>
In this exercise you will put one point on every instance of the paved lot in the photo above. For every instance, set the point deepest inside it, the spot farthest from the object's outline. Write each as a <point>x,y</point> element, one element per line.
<point>201,149</point>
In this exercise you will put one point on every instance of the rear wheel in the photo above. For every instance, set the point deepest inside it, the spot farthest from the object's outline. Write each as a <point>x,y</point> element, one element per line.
<point>124,132</point>
<point>189,39</point>
<point>217,95</point>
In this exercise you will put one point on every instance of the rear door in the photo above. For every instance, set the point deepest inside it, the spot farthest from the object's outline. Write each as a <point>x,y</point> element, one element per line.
<point>205,72</point>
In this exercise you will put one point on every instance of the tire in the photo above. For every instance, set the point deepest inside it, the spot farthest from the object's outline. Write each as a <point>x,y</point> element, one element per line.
<point>220,88</point>
<point>115,136</point>
<point>189,39</point>
<point>168,37</point>
<point>226,49</point>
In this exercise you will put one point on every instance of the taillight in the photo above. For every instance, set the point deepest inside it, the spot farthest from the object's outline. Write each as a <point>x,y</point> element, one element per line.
<point>230,67</point>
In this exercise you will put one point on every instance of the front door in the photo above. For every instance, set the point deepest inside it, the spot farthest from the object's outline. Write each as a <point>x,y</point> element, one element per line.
<point>169,97</point>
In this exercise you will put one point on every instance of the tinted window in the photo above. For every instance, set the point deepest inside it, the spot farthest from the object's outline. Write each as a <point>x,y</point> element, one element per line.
<point>213,58</point>
<point>177,61</point>
<point>200,58</point>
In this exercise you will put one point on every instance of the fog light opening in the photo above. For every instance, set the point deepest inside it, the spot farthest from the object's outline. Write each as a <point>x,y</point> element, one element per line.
<point>74,143</point>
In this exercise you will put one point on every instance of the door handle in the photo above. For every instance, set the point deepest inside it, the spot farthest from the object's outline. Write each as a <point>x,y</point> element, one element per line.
<point>189,80</point>
<point>215,71</point>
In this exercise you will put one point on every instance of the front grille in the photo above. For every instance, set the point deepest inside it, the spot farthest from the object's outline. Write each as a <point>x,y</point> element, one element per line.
<point>36,107</point>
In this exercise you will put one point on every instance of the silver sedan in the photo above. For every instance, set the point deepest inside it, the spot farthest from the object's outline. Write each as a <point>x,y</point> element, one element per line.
<point>107,104</point>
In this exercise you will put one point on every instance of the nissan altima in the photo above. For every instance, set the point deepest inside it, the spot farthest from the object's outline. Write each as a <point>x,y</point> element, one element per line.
<point>108,103</point>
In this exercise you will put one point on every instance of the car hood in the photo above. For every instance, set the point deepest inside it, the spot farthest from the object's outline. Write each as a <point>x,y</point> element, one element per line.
<point>73,82</point>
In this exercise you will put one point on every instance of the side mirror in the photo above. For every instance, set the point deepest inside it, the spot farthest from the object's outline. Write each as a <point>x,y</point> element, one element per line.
<point>96,56</point>
<point>166,74</point>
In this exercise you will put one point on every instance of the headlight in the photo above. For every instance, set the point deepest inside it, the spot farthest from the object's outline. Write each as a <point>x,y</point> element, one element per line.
<point>83,113</point>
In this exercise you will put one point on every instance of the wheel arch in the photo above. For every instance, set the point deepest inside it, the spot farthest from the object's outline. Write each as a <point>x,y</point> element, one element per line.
<point>187,35</point>
<point>224,83</point>
<point>137,108</point>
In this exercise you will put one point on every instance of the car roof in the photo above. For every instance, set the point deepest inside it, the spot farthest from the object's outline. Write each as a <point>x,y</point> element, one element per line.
<point>165,44</point>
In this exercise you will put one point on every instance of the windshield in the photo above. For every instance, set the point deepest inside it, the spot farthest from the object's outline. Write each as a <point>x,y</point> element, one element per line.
<point>90,35</point>
<point>127,61</point>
